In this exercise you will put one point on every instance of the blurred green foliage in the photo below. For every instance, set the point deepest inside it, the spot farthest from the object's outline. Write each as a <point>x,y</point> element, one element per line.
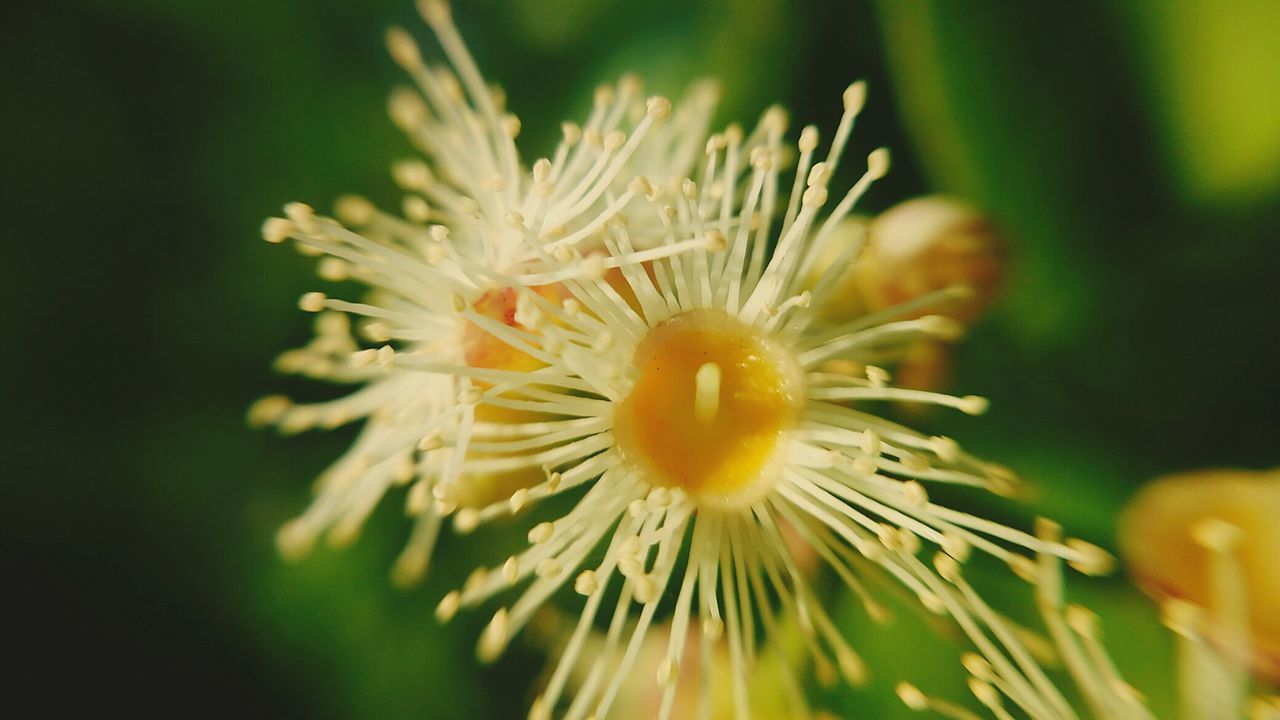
<point>1131,150</point>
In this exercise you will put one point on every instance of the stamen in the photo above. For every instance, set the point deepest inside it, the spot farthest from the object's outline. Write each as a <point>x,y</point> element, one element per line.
<point>706,400</point>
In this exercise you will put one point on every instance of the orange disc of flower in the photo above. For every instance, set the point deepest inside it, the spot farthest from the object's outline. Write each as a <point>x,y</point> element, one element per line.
<point>711,405</point>
<point>483,350</point>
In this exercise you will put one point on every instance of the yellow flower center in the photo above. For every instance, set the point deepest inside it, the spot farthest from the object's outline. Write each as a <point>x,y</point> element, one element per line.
<point>710,410</point>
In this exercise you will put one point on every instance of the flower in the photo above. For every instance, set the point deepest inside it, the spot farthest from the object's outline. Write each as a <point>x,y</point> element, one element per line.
<point>915,247</point>
<point>1010,663</point>
<point>703,411</point>
<point>1189,523</point>
<point>1161,540</point>
<point>774,692</point>
<point>476,223</point>
<point>646,343</point>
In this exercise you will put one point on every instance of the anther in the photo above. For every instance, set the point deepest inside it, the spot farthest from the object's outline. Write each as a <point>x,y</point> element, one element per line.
<point>493,639</point>
<point>986,694</point>
<point>448,606</point>
<point>548,568</point>
<point>808,139</point>
<point>312,302</point>
<point>915,494</point>
<point>469,207</point>
<point>594,267</point>
<point>977,666</point>
<point>354,210</point>
<point>913,462</point>
<point>333,269</point>
<point>955,546</point>
<point>475,581</point>
<point>403,49</point>
<point>418,499</point>
<point>406,108</point>
<point>945,448</point>
<point>911,696</point>
<point>302,215</point>
<point>932,603</point>
<point>855,96</point>
<point>658,108</point>
<point>572,133</point>
<point>761,159</point>
<point>1083,621</point>
<point>646,589</point>
<point>871,443</point>
<point>276,230</point>
<point>603,95</point>
<point>541,533</point>
<point>817,175</point>
<point>541,170</point>
<point>518,500</point>
<point>1091,559</point>
<point>268,410</point>
<point>974,405</point>
<point>878,163</point>
<point>435,12</point>
<point>511,126</point>
<point>814,197</point>
<point>851,666</point>
<point>640,185</point>
<point>1023,566</point>
<point>586,583</point>
<point>774,119</point>
<point>942,327</point>
<point>466,520</point>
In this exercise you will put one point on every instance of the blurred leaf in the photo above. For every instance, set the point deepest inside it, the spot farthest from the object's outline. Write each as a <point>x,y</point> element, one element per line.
<point>1211,73</point>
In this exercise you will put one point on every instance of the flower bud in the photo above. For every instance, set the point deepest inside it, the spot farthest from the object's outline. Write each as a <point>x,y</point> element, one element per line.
<point>1170,533</point>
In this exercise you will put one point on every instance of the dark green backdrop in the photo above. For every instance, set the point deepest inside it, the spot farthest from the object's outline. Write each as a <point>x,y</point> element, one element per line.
<point>1132,150</point>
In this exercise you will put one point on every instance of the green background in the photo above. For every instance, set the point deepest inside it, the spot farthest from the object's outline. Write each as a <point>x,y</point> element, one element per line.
<point>1131,150</point>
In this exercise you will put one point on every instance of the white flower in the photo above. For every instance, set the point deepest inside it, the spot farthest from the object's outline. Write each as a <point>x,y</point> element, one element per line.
<point>702,410</point>
<point>477,221</point>
<point>647,342</point>
<point>1008,672</point>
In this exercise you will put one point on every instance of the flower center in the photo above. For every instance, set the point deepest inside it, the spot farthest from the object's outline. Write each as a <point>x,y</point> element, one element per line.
<point>481,349</point>
<point>710,409</point>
